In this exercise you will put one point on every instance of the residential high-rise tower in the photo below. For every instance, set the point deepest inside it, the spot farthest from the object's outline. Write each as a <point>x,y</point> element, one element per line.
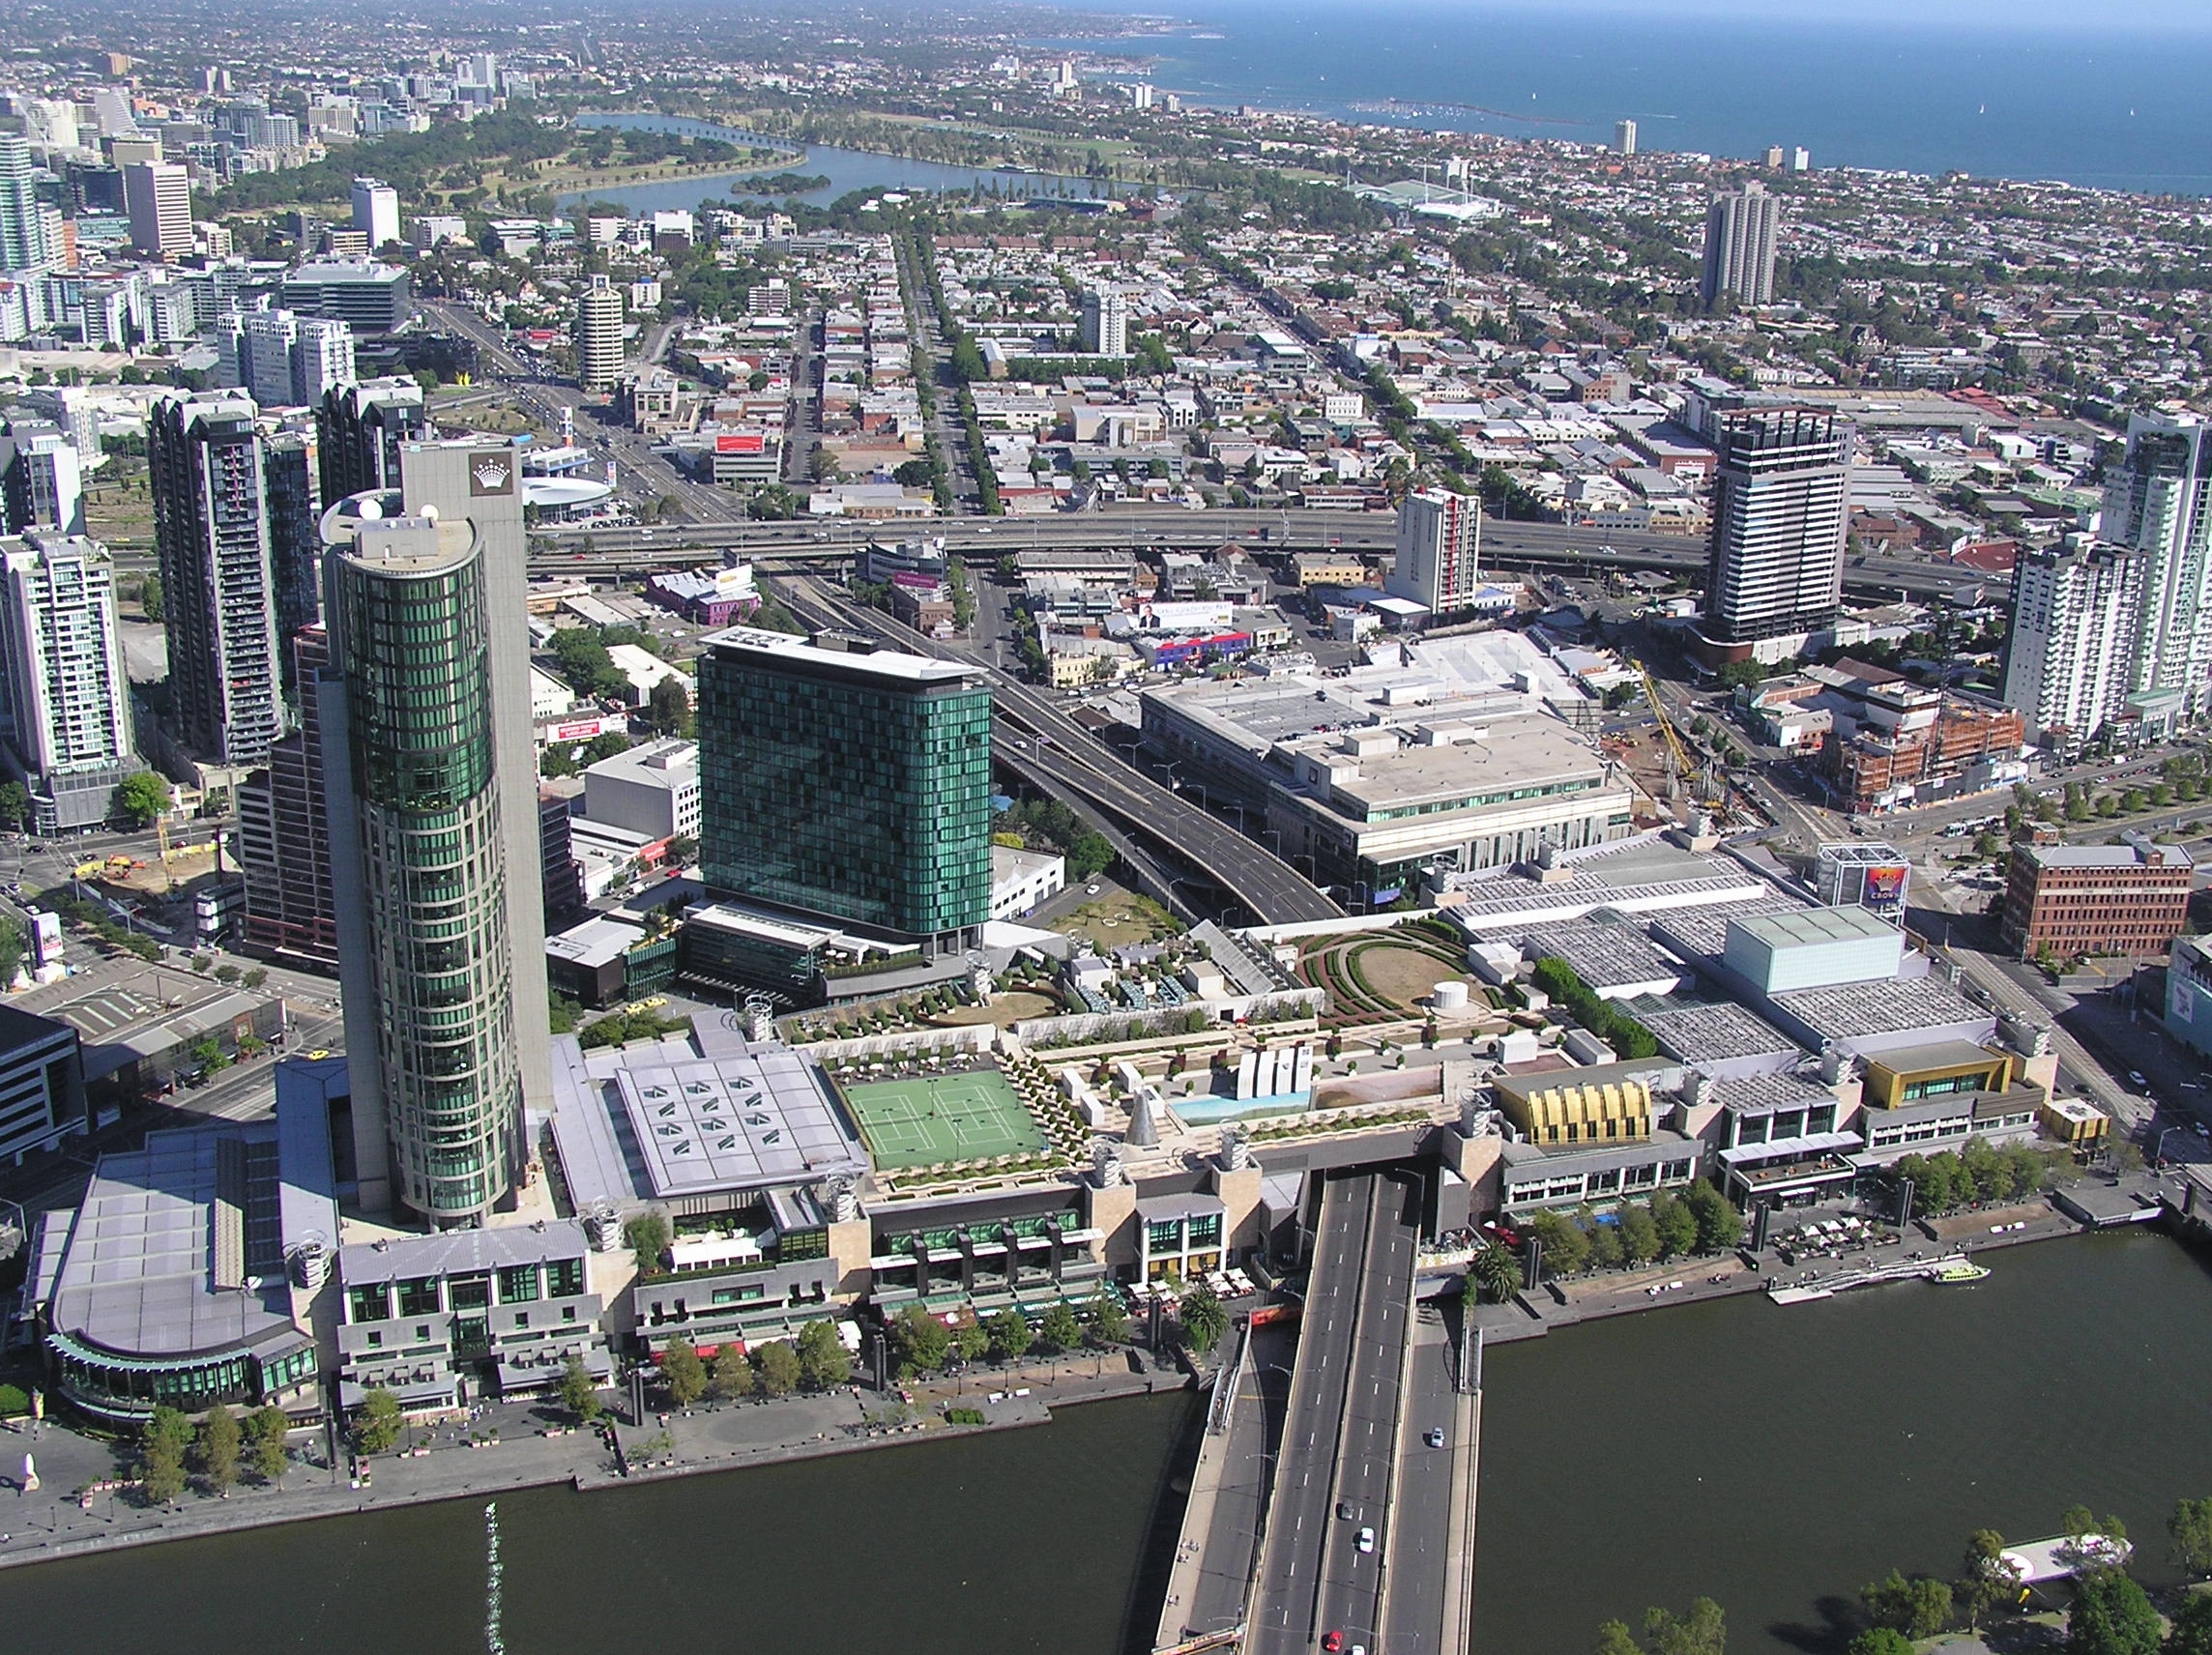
<point>2070,659</point>
<point>359,429</point>
<point>68,697</point>
<point>22,226</point>
<point>2160,502</point>
<point>206,468</point>
<point>284,832</point>
<point>1780,495</point>
<point>1105,326</point>
<point>1439,542</point>
<point>599,336</point>
<point>1740,233</point>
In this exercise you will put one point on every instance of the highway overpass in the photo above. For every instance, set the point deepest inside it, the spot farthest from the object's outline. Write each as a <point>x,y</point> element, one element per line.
<point>825,542</point>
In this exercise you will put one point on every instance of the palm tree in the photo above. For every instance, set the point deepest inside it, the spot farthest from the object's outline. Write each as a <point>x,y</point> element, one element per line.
<point>1496,1272</point>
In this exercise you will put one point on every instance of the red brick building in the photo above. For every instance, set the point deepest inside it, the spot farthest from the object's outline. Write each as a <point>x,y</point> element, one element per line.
<point>2072,900</point>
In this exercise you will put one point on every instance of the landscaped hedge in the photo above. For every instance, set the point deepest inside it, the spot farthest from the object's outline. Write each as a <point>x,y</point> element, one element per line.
<point>1615,1027</point>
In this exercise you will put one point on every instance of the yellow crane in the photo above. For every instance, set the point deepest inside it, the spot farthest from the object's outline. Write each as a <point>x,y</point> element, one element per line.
<point>1683,768</point>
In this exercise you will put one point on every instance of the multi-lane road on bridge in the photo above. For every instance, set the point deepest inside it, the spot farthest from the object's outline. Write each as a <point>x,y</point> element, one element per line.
<point>1340,1448</point>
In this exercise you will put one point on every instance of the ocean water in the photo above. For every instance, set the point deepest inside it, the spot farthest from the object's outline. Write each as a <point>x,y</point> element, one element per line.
<point>2122,108</point>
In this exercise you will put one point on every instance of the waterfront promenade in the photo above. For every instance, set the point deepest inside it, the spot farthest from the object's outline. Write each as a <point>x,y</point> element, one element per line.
<point>1624,1292</point>
<point>439,1462</point>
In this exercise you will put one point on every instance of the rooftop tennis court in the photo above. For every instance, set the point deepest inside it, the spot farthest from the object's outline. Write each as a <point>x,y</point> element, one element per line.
<point>927,1120</point>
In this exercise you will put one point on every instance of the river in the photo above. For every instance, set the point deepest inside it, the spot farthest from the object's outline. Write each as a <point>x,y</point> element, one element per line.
<point>1008,1542</point>
<point>847,170</point>
<point>1773,1459</point>
<point>1778,1459</point>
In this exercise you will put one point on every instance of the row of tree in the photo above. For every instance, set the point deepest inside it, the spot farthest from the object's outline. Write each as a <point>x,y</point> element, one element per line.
<point>171,1449</point>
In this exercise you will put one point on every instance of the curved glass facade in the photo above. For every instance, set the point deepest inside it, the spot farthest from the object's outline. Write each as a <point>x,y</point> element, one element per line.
<point>417,685</point>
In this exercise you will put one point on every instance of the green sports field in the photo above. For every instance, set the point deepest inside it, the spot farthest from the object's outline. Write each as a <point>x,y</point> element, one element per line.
<point>928,1119</point>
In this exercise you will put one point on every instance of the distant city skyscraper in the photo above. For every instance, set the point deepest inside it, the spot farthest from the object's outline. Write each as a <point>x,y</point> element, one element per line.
<point>431,781</point>
<point>1740,234</point>
<point>1780,510</point>
<point>66,689</point>
<point>1625,138</point>
<point>2070,658</point>
<point>159,196</point>
<point>1439,543</point>
<point>376,212</point>
<point>2160,502</point>
<point>599,336</point>
<point>206,468</point>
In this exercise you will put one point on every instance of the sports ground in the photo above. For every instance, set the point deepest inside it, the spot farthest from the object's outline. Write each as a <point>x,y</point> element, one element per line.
<point>928,1119</point>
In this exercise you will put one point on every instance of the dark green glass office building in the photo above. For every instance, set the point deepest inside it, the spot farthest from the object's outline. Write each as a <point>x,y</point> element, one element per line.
<point>855,785</point>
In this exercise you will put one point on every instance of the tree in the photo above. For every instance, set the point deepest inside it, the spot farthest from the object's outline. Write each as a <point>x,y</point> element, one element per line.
<point>823,1360</point>
<point>1615,1638</point>
<point>1987,1584</point>
<point>2112,1615</point>
<point>668,708</point>
<point>219,1445</point>
<point>1918,1608</point>
<point>377,1422</point>
<point>605,745</point>
<point>1880,1640</point>
<point>919,1341</point>
<point>2191,1631</point>
<point>683,1372</point>
<point>1059,1330</point>
<point>1204,1320</point>
<point>140,798</point>
<point>1566,1245</point>
<point>1495,1272</point>
<point>1702,1630</point>
<point>1720,1227</point>
<point>2191,1529</point>
<point>579,1391</point>
<point>15,803</point>
<point>150,598</point>
<point>972,1342</point>
<point>1010,1335</point>
<point>778,1365</point>
<point>1090,854</point>
<point>1675,1224</point>
<point>649,1235</point>
<point>732,1374</point>
<point>1109,1322</point>
<point>162,1454</point>
<point>266,1430</point>
<point>1639,1234</point>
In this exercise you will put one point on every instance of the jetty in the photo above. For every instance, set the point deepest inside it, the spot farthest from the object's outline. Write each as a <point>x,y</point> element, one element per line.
<point>1948,1266</point>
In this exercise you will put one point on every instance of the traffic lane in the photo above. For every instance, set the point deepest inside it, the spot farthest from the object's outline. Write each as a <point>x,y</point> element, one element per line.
<point>1420,1507</point>
<point>1352,1579</point>
<point>1298,1516</point>
<point>1255,1427</point>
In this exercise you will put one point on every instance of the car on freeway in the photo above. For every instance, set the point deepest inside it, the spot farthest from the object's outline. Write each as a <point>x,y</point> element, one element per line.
<point>2137,1076</point>
<point>1344,1510</point>
<point>1364,1541</point>
<point>1332,1643</point>
<point>1434,1437</point>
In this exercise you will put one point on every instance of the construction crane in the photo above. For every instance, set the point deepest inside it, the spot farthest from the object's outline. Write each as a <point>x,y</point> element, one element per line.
<point>1683,768</point>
